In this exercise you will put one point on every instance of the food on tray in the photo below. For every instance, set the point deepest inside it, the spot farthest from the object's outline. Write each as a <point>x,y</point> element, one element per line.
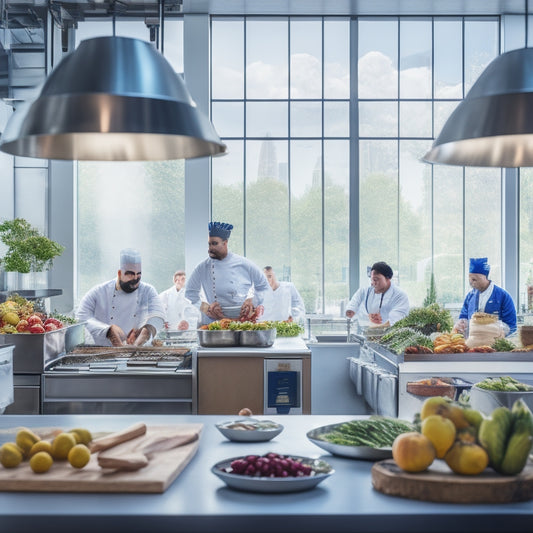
<point>270,465</point>
<point>528,348</point>
<point>427,320</point>
<point>449,343</point>
<point>397,340</point>
<point>375,432</point>
<point>484,333</point>
<point>250,425</point>
<point>418,349</point>
<point>503,383</point>
<point>503,345</point>
<point>431,387</point>
<point>482,349</point>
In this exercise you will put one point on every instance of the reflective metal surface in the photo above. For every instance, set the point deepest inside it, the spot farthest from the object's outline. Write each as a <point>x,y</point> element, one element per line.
<point>493,125</point>
<point>113,99</point>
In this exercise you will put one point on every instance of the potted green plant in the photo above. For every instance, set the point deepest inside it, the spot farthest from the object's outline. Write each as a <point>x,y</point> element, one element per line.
<point>27,249</point>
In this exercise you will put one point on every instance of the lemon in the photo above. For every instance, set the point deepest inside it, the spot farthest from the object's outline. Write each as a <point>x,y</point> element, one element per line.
<point>62,444</point>
<point>11,318</point>
<point>79,456</point>
<point>10,455</point>
<point>25,439</point>
<point>441,432</point>
<point>41,446</point>
<point>82,435</point>
<point>41,462</point>
<point>413,452</point>
<point>467,458</point>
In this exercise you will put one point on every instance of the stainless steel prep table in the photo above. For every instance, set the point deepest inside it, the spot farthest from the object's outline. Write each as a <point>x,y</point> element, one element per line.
<point>199,502</point>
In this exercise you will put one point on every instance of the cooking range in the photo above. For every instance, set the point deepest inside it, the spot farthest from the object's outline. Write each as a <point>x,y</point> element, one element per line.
<point>119,380</point>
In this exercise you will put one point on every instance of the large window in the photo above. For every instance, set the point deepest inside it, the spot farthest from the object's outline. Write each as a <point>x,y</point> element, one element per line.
<point>131,204</point>
<point>281,101</point>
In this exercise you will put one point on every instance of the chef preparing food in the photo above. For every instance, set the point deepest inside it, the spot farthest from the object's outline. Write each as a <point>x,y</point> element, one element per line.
<point>124,310</point>
<point>383,303</point>
<point>181,314</point>
<point>233,286</point>
<point>486,297</point>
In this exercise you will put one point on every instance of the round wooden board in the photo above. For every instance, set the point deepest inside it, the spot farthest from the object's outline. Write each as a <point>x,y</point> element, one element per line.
<point>440,484</point>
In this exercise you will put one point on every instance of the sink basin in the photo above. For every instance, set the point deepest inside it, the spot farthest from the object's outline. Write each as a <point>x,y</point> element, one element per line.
<point>331,338</point>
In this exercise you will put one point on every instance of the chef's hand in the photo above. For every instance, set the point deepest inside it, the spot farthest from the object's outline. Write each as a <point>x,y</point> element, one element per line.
<point>116,336</point>
<point>460,326</point>
<point>247,309</point>
<point>143,335</point>
<point>375,318</point>
<point>350,313</point>
<point>212,310</point>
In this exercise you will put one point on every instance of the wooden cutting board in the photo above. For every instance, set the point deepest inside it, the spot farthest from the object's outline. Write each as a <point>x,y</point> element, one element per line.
<point>440,484</point>
<point>163,468</point>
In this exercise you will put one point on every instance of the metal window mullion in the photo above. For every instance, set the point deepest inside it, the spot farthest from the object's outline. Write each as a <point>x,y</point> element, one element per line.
<point>354,245</point>
<point>244,140</point>
<point>322,169</point>
<point>289,138</point>
<point>398,232</point>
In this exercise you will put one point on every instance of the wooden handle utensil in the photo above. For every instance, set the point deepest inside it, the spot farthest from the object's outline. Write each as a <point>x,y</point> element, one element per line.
<point>104,443</point>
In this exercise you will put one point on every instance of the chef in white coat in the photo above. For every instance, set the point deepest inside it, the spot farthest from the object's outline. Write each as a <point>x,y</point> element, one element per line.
<point>123,310</point>
<point>284,301</point>
<point>181,314</point>
<point>228,281</point>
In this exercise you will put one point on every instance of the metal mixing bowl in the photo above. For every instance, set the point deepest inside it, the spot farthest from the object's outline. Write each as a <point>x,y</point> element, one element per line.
<point>218,337</point>
<point>487,400</point>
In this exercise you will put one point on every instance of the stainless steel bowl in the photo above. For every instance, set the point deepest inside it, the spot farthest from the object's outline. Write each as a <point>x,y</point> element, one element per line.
<point>487,400</point>
<point>218,337</point>
<point>259,337</point>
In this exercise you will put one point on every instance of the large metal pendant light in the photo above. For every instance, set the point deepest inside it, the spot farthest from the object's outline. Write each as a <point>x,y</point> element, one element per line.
<point>112,99</point>
<point>493,125</point>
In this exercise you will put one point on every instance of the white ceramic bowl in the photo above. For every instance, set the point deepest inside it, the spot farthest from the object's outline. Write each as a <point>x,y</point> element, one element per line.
<point>259,434</point>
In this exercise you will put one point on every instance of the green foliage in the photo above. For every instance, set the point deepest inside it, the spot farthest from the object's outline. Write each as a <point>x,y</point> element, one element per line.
<point>426,320</point>
<point>27,249</point>
<point>431,295</point>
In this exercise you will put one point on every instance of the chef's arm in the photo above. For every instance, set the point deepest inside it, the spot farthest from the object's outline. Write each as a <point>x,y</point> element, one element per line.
<point>399,309</point>
<point>86,312</point>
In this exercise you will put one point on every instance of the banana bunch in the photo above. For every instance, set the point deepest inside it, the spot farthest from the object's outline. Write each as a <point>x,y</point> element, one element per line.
<point>449,343</point>
<point>507,436</point>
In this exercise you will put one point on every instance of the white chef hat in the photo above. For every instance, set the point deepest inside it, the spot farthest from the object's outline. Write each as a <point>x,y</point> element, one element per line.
<point>129,256</point>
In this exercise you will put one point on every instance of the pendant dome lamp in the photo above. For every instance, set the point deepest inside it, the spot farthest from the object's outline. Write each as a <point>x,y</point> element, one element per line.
<point>493,125</point>
<point>112,99</point>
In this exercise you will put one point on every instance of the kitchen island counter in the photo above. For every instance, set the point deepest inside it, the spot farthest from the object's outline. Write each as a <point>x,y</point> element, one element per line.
<point>198,501</point>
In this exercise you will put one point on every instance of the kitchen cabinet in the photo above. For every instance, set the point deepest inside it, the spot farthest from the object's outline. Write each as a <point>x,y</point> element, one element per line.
<point>231,378</point>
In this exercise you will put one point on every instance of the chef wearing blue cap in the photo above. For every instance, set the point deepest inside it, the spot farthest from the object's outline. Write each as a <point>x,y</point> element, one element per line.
<point>123,310</point>
<point>225,285</point>
<point>486,297</point>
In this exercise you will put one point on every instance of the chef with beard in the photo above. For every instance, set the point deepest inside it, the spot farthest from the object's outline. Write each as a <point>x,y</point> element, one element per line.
<point>124,310</point>
<point>225,280</point>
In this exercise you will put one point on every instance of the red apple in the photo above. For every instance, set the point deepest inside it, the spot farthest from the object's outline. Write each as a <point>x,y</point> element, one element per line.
<point>36,328</point>
<point>34,319</point>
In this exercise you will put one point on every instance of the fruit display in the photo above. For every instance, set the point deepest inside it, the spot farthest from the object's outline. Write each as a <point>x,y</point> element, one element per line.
<point>270,465</point>
<point>17,315</point>
<point>465,440</point>
<point>450,343</point>
<point>40,453</point>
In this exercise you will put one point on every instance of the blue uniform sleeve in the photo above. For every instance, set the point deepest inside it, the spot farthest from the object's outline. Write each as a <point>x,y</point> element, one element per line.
<point>508,312</point>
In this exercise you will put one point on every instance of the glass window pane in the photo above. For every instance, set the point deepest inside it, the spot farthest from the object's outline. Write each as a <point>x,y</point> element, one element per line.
<point>173,49</point>
<point>136,29</point>
<point>448,58</point>
<point>415,59</point>
<point>267,66</point>
<point>442,111</point>
<point>526,243</point>
<point>93,28</point>
<point>415,222</point>
<point>449,264</point>
<point>482,238</point>
<point>378,59</point>
<point>228,191</point>
<point>336,58</point>
<point>415,119</point>
<point>306,119</point>
<point>146,218</point>
<point>306,221</point>
<point>306,58</point>
<point>378,208</point>
<point>32,206</point>
<point>227,58</point>
<point>336,119</point>
<point>266,119</point>
<point>481,47</point>
<point>336,221</point>
<point>267,238</point>
<point>378,119</point>
<point>228,118</point>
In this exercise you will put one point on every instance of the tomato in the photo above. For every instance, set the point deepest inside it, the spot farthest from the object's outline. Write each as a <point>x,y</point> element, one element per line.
<point>34,319</point>
<point>50,327</point>
<point>36,328</point>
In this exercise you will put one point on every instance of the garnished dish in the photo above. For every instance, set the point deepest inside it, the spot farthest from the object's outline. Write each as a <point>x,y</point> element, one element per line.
<point>250,430</point>
<point>370,438</point>
<point>272,472</point>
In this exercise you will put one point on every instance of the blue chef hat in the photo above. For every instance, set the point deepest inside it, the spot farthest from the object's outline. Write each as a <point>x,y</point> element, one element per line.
<point>220,229</point>
<point>479,265</point>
